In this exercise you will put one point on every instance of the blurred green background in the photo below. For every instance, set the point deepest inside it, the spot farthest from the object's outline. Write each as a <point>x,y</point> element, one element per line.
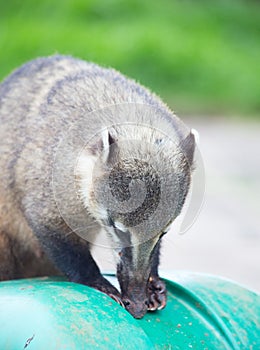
<point>202,57</point>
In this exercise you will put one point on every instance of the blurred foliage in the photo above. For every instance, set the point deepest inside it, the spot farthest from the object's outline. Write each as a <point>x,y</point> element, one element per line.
<point>201,56</point>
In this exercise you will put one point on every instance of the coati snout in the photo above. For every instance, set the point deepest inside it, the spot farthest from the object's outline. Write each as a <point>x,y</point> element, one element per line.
<point>84,148</point>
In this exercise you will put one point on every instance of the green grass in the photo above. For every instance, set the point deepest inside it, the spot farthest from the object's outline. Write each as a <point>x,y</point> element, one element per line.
<point>200,56</point>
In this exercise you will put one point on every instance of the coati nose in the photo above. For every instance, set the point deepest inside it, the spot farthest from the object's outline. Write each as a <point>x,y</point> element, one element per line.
<point>136,308</point>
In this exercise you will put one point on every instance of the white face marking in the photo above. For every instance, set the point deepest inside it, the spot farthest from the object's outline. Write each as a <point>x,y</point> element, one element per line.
<point>120,226</point>
<point>138,257</point>
<point>83,171</point>
<point>135,253</point>
<point>105,144</point>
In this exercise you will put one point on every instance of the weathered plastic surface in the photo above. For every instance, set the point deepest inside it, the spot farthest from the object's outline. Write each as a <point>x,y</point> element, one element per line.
<point>203,312</point>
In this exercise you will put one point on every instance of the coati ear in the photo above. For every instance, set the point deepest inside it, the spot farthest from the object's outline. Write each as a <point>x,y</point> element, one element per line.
<point>109,146</point>
<point>188,146</point>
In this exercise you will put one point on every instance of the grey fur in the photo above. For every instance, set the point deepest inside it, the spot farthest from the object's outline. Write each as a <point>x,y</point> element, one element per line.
<point>50,109</point>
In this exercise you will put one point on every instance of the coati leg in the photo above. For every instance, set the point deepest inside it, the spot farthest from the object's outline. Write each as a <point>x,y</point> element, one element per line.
<point>71,255</point>
<point>22,260</point>
<point>156,288</point>
<point>8,261</point>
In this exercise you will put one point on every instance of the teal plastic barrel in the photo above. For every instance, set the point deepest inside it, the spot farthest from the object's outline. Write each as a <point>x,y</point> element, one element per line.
<point>203,312</point>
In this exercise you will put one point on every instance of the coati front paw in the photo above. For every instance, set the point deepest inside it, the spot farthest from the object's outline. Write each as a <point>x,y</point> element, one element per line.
<point>156,294</point>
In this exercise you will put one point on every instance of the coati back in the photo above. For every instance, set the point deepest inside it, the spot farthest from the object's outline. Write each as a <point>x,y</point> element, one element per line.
<point>83,149</point>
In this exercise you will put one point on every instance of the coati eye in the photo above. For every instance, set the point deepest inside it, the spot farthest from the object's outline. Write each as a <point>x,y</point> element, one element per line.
<point>159,141</point>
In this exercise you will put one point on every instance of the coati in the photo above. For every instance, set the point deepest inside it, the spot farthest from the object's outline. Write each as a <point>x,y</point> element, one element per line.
<point>84,148</point>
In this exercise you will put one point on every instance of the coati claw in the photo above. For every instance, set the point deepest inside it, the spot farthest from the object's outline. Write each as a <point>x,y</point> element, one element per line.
<point>117,299</point>
<point>156,294</point>
<point>104,286</point>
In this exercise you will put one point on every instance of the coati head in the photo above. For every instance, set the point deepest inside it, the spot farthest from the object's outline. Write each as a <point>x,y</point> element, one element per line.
<point>137,185</point>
